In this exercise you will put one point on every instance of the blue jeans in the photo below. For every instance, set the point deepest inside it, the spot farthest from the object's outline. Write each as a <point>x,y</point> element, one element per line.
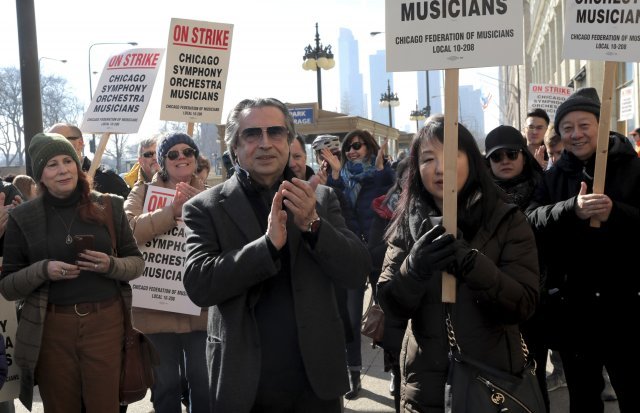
<point>355,298</point>
<point>167,388</point>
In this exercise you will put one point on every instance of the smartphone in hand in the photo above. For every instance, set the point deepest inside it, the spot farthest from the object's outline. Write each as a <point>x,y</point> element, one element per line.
<point>82,243</point>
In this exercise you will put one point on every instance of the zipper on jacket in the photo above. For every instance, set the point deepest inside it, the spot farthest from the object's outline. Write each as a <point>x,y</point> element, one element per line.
<point>495,388</point>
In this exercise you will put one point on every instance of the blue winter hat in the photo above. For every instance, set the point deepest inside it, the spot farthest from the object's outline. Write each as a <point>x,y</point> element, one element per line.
<point>169,141</point>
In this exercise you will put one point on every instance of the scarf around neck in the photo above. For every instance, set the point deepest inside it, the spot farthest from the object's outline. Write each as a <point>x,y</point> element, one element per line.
<point>352,174</point>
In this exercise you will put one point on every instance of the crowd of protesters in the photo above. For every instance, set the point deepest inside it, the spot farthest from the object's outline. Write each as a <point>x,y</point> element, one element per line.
<point>278,256</point>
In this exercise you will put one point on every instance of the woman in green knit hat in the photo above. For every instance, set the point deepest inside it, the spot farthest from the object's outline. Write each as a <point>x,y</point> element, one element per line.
<point>72,327</point>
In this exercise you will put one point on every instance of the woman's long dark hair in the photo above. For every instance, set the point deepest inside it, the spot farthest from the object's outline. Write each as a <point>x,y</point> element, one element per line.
<point>479,181</point>
<point>368,139</point>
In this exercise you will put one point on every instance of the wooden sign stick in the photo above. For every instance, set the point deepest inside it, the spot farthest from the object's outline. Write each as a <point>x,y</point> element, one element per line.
<point>190,128</point>
<point>97,157</point>
<point>603,133</point>
<point>450,195</point>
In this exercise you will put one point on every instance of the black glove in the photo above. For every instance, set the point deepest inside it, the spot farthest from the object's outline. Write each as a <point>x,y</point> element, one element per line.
<point>465,258</point>
<point>432,252</point>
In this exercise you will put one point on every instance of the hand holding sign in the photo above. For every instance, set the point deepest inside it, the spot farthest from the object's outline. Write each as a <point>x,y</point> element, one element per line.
<point>596,206</point>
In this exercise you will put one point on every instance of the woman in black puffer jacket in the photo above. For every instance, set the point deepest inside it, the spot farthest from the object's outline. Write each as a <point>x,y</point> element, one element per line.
<point>494,261</point>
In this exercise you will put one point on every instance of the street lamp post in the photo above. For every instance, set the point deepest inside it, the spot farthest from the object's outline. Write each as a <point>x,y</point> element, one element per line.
<point>316,58</point>
<point>418,115</point>
<point>427,109</point>
<point>92,146</point>
<point>40,59</point>
<point>100,44</point>
<point>49,58</point>
<point>389,100</point>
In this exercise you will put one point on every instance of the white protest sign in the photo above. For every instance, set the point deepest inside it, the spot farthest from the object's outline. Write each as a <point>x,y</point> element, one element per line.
<point>123,92</point>
<point>627,103</point>
<point>443,34</point>
<point>602,30</point>
<point>160,287</point>
<point>196,71</point>
<point>8,327</point>
<point>547,97</point>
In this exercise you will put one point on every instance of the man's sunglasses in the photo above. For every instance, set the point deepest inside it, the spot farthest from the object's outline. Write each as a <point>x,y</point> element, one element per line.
<point>511,155</point>
<point>355,146</point>
<point>253,135</point>
<point>187,152</point>
<point>149,154</point>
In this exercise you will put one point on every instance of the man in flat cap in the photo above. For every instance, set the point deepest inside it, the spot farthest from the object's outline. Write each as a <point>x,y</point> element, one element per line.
<point>594,298</point>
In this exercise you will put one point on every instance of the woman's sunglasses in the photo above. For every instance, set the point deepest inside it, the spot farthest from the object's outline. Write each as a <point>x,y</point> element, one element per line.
<point>511,155</point>
<point>187,152</point>
<point>355,146</point>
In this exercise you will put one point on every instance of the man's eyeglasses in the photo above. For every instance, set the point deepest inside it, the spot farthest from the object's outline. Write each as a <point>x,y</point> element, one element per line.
<point>355,146</point>
<point>534,127</point>
<point>73,138</point>
<point>149,154</point>
<point>253,135</point>
<point>187,152</point>
<point>498,155</point>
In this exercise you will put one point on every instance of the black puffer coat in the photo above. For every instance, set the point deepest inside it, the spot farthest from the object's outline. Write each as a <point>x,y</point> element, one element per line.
<point>498,293</point>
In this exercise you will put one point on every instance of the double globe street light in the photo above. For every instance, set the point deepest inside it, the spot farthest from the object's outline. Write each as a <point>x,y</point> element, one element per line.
<point>389,100</point>
<point>316,58</point>
<point>418,115</point>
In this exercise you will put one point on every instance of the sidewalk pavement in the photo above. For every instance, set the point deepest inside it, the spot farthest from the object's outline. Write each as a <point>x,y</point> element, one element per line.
<point>373,398</point>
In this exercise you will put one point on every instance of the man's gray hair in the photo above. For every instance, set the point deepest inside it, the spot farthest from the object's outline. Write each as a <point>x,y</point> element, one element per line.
<point>233,120</point>
<point>147,142</point>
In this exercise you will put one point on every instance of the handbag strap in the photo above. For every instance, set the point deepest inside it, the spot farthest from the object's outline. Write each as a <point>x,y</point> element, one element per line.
<point>453,343</point>
<point>108,213</point>
<point>126,315</point>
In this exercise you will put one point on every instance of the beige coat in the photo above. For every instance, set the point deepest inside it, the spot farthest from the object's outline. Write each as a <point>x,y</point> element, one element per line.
<point>147,226</point>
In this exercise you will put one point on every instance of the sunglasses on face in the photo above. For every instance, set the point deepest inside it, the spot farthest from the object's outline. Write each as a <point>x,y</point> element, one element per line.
<point>355,146</point>
<point>498,155</point>
<point>187,152</point>
<point>276,133</point>
<point>149,154</point>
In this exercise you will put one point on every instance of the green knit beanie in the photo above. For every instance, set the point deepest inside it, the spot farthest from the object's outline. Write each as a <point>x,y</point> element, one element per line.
<point>45,146</point>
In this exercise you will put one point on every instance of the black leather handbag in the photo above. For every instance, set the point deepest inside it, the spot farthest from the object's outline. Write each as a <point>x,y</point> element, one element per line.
<point>475,387</point>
